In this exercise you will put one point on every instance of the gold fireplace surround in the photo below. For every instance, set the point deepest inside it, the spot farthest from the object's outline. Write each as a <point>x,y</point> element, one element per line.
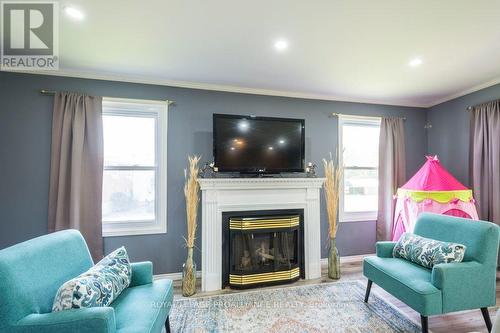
<point>260,223</point>
<point>255,223</point>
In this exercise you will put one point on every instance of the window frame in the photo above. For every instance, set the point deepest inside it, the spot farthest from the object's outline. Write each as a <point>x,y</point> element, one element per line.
<point>363,121</point>
<point>159,225</point>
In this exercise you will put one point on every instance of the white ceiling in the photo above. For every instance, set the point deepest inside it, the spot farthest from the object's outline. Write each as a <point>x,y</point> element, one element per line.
<point>345,50</point>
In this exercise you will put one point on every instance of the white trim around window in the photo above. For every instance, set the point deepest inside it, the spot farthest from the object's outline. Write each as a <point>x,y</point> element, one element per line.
<point>149,109</point>
<point>355,120</point>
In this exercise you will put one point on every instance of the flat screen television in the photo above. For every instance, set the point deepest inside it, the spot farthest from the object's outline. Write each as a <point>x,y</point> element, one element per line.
<point>249,144</point>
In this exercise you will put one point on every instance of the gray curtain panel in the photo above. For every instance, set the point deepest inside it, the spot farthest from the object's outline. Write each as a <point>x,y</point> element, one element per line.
<point>76,170</point>
<point>391,174</point>
<point>484,159</point>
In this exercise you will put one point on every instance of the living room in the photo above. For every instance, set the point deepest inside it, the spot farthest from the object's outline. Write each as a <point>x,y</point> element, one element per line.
<point>256,167</point>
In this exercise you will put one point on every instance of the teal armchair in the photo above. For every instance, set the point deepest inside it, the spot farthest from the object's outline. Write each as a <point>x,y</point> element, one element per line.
<point>445,288</point>
<point>31,273</point>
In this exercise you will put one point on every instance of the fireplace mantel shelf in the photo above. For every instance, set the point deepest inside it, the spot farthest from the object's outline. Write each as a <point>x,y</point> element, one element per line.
<point>256,183</point>
<point>249,194</point>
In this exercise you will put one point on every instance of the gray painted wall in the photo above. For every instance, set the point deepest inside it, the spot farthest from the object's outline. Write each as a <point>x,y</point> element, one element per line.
<point>25,135</point>
<point>449,135</point>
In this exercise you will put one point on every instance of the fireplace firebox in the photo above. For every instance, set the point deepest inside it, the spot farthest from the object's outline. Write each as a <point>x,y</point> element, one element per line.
<point>262,247</point>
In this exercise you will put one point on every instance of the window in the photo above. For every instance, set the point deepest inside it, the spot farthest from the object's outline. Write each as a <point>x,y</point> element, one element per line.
<point>358,142</point>
<point>134,195</point>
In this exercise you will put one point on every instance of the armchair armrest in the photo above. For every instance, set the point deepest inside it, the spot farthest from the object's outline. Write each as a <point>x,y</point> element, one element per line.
<point>465,285</point>
<point>384,249</point>
<point>444,275</point>
<point>142,273</point>
<point>91,320</point>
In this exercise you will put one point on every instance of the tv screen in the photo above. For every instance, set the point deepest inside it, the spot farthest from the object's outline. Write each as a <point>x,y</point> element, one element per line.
<point>258,144</point>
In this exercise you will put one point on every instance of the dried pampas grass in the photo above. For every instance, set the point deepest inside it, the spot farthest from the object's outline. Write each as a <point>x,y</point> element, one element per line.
<point>191,192</point>
<point>333,174</point>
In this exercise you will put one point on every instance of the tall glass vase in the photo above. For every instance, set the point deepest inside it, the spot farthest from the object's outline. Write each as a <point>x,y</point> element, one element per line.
<point>333,261</point>
<point>189,275</point>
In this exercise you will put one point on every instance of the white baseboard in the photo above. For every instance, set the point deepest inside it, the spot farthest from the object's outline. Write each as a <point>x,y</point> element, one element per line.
<point>173,276</point>
<point>349,259</point>
<point>324,262</point>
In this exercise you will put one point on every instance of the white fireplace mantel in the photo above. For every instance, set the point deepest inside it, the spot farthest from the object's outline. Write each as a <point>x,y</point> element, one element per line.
<point>240,194</point>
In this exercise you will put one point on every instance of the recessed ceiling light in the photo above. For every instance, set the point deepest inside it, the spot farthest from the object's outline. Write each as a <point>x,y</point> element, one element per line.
<point>281,45</point>
<point>74,13</point>
<point>415,62</point>
<point>270,147</point>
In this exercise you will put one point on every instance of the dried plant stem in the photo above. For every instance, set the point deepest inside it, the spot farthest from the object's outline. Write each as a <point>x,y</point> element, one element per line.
<point>191,192</point>
<point>331,186</point>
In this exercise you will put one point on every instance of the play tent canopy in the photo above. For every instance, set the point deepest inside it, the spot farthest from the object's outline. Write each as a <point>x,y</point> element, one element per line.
<point>432,189</point>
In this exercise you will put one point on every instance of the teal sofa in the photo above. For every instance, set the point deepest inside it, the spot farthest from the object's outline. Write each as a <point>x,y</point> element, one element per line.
<point>31,273</point>
<point>445,288</point>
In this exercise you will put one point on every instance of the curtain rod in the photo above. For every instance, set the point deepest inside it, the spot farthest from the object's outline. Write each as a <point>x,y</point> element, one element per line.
<point>53,92</point>
<point>470,107</point>
<point>334,114</point>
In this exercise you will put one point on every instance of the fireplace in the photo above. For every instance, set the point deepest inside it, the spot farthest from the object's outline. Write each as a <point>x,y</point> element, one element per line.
<point>242,196</point>
<point>262,247</point>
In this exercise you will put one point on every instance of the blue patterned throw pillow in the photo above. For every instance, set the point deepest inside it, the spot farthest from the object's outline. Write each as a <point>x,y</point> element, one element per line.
<point>98,286</point>
<point>427,252</point>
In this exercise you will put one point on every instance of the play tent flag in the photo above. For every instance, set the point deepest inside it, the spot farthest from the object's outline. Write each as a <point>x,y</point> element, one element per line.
<point>432,189</point>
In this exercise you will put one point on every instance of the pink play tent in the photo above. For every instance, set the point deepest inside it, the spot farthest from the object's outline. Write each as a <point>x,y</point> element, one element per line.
<point>432,189</point>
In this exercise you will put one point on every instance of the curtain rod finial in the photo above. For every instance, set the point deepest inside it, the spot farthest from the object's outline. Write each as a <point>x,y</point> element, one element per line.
<point>47,92</point>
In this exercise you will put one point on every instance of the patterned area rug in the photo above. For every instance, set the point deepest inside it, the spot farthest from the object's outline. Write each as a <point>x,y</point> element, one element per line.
<point>326,307</point>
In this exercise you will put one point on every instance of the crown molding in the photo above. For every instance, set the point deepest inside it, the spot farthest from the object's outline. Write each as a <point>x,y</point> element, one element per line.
<point>465,92</point>
<point>248,90</point>
<point>213,87</point>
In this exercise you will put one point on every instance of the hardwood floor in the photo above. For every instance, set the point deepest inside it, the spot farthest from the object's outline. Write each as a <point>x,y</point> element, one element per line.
<point>457,322</point>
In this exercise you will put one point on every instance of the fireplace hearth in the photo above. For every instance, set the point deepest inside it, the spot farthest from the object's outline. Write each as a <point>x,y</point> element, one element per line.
<point>262,247</point>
